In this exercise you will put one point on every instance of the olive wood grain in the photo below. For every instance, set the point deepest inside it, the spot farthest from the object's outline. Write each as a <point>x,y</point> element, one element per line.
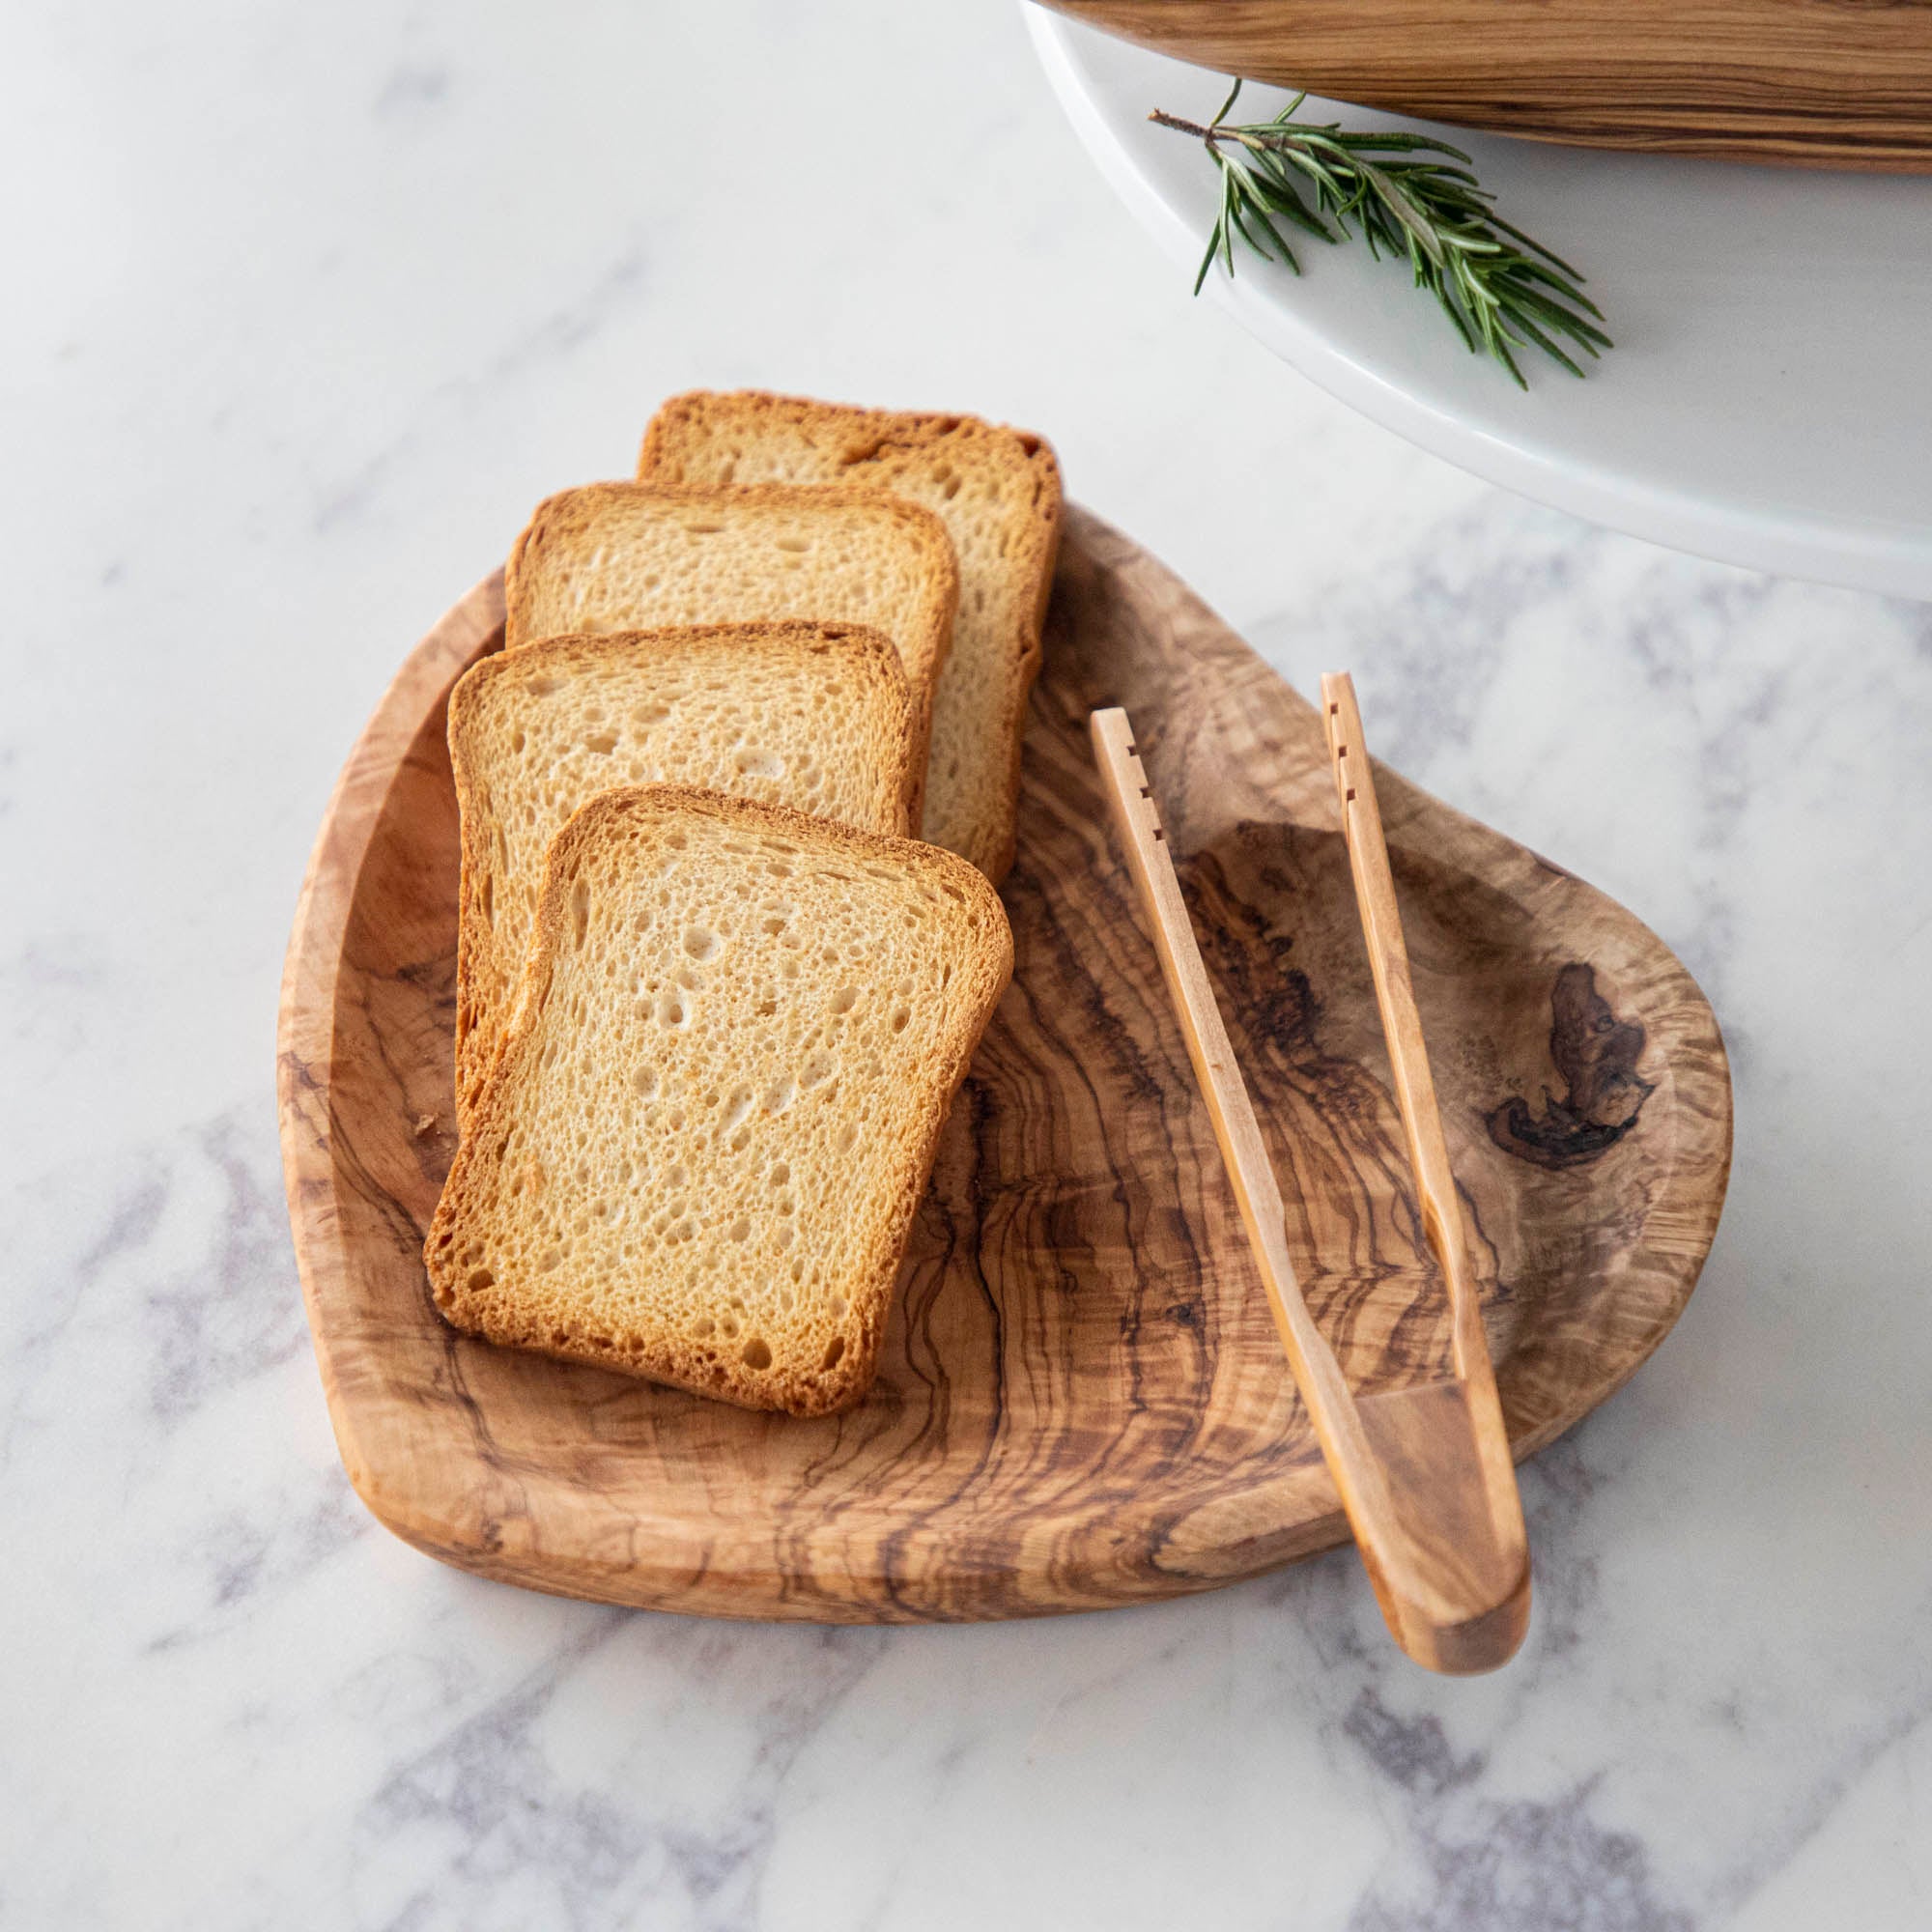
<point>1454,1432</point>
<point>1806,83</point>
<point>1424,1473</point>
<point>1082,1401</point>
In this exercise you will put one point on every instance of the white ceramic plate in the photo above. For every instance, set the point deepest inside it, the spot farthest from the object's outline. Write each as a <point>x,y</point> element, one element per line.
<point>1768,400</point>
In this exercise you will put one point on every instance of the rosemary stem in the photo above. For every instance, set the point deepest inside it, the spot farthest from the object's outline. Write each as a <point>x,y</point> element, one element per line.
<point>1181,127</point>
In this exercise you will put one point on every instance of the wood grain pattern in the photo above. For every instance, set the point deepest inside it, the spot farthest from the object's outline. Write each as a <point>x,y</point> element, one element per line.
<point>1423,1471</point>
<point>1082,1401</point>
<point>1469,1605</point>
<point>1807,83</point>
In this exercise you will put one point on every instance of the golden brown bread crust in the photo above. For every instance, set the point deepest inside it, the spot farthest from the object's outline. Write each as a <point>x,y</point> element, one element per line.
<point>564,527</point>
<point>712,437</point>
<point>457,1249</point>
<point>857,655</point>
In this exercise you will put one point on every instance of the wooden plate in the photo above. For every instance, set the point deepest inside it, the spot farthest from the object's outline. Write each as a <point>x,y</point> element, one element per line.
<point>1082,1401</point>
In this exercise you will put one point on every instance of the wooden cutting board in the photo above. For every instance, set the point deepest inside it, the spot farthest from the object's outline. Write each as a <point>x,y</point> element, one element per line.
<point>1810,83</point>
<point>1082,1402</point>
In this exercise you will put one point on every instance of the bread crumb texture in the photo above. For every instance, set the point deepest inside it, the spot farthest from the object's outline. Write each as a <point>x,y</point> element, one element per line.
<point>635,557</point>
<point>813,716</point>
<point>998,492</point>
<point>699,1154</point>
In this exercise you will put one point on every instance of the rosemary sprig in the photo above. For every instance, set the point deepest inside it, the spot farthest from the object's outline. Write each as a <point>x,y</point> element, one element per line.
<point>1500,290</point>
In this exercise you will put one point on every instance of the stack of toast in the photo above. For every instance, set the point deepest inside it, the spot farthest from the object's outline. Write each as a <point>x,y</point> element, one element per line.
<point>734,800</point>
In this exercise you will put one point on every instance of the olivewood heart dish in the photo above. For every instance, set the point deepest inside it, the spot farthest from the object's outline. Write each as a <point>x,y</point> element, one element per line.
<point>1082,1401</point>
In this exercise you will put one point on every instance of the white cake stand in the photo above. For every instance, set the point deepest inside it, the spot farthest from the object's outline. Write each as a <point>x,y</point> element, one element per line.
<point>1768,400</point>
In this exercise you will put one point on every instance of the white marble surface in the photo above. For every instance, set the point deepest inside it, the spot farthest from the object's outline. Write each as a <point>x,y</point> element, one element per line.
<point>307,305</point>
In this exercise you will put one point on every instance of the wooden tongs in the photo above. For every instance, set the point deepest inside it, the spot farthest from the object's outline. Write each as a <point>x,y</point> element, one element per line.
<point>1424,1472</point>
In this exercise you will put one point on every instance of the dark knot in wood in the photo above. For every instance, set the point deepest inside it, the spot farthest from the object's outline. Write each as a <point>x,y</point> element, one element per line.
<point>1597,1054</point>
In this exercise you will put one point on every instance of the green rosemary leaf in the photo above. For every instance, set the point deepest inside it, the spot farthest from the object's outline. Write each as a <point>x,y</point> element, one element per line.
<point>1280,198</point>
<point>1520,325</point>
<point>1454,314</point>
<point>1258,242</point>
<point>1207,261</point>
<point>1226,209</point>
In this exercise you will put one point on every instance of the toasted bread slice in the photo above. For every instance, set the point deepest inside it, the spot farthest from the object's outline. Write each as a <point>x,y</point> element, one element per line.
<point>814,716</point>
<point>996,490</point>
<point>698,1155</point>
<point>635,557</point>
